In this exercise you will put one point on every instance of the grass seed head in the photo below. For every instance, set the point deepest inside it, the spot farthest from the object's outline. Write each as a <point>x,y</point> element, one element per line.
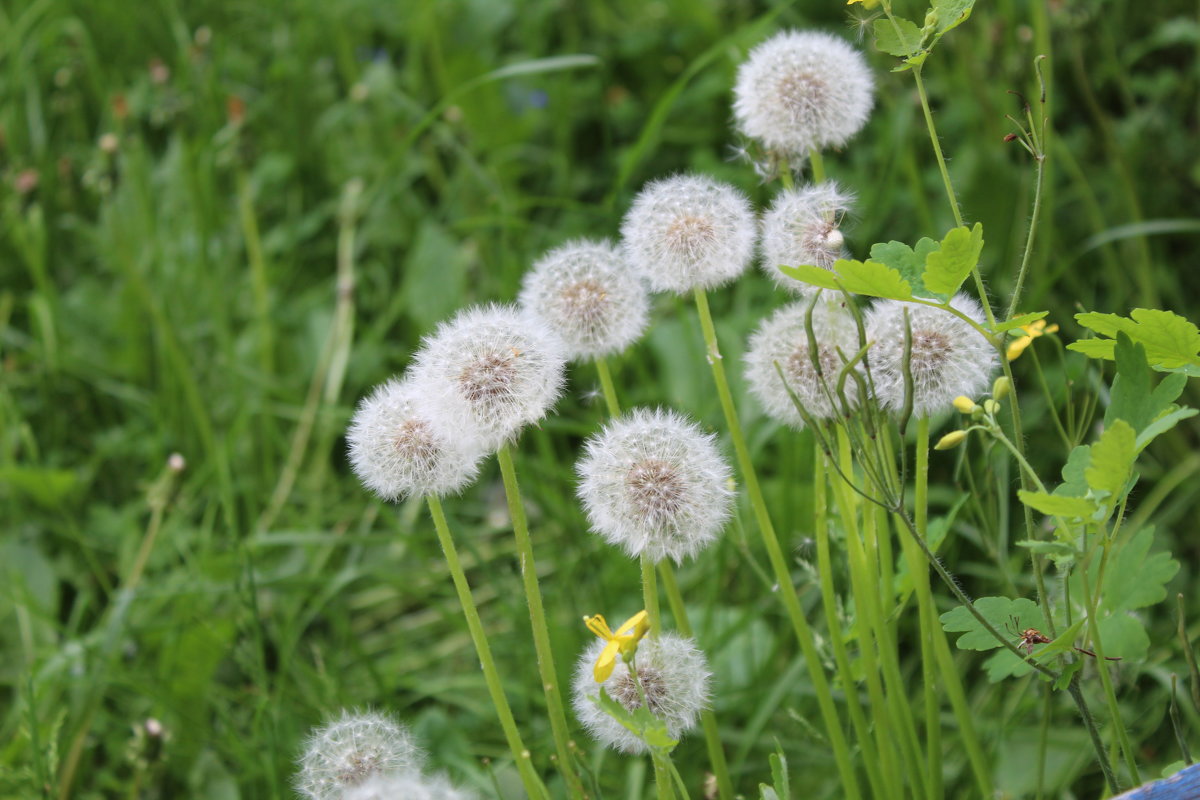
<point>588,295</point>
<point>652,482</point>
<point>351,750</point>
<point>674,675</point>
<point>803,227</point>
<point>494,369</point>
<point>802,90</point>
<point>689,231</point>
<point>949,357</point>
<point>782,339</point>
<point>399,448</point>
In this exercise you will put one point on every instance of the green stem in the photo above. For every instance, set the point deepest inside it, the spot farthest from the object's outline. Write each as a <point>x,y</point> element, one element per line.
<point>650,596</point>
<point>537,619</point>
<point>708,720</point>
<point>927,616</point>
<point>533,784</point>
<point>818,165</point>
<point>606,385</point>
<point>1033,224</point>
<point>779,565</point>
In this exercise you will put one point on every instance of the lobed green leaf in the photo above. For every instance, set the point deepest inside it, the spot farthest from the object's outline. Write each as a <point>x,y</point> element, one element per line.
<point>948,266</point>
<point>1055,505</point>
<point>1171,341</point>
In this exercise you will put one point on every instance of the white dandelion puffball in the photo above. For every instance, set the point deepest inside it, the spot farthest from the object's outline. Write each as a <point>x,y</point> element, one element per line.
<point>350,751</point>
<point>689,231</point>
<point>783,339</point>
<point>587,294</point>
<point>491,368</point>
<point>949,357</point>
<point>652,482</point>
<point>674,675</point>
<point>399,448</point>
<point>803,227</point>
<point>408,786</point>
<point>802,90</point>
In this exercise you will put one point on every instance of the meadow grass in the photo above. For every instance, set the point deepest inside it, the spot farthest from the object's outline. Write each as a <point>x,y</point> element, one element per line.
<point>298,191</point>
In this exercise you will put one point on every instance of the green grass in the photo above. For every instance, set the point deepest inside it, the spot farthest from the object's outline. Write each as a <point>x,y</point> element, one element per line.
<point>180,295</point>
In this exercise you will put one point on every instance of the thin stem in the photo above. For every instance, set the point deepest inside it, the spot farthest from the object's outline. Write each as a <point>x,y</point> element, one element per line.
<point>708,720</point>
<point>779,565</point>
<point>533,784</point>
<point>818,165</point>
<point>1033,225</point>
<point>537,619</point>
<point>928,616</point>
<point>606,386</point>
<point>650,596</point>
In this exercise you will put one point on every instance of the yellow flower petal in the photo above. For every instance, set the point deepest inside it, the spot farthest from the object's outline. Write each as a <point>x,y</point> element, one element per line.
<point>640,621</point>
<point>598,626</point>
<point>606,662</point>
<point>1017,346</point>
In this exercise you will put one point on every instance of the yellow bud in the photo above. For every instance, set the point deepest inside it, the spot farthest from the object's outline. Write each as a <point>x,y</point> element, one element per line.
<point>951,439</point>
<point>1001,388</point>
<point>991,406</point>
<point>964,404</point>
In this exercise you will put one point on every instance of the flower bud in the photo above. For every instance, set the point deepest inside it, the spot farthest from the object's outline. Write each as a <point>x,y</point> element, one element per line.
<point>950,440</point>
<point>991,406</point>
<point>965,405</point>
<point>1001,388</point>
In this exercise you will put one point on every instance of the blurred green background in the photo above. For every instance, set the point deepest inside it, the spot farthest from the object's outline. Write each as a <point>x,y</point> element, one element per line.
<point>223,222</point>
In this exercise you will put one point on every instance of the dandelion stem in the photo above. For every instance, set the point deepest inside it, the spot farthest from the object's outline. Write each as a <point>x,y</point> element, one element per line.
<point>650,596</point>
<point>606,385</point>
<point>708,720</point>
<point>529,778</point>
<point>537,619</point>
<point>818,165</point>
<point>779,565</point>
<point>927,617</point>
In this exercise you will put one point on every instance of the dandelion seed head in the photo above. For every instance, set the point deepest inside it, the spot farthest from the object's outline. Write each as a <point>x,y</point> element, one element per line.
<point>688,231</point>
<point>783,339</point>
<point>491,368</point>
<point>674,675</point>
<point>398,449</point>
<point>409,786</point>
<point>352,750</point>
<point>803,227</point>
<point>652,482</point>
<point>949,358</point>
<point>589,296</point>
<point>802,90</point>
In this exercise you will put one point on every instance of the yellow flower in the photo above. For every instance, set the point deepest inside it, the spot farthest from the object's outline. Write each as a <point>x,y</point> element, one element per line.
<point>865,3</point>
<point>1032,331</point>
<point>623,642</point>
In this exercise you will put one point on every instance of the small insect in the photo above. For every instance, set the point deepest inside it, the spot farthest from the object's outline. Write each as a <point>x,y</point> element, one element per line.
<point>1032,636</point>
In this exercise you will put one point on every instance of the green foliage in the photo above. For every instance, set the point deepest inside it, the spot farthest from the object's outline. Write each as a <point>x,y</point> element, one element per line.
<point>1171,341</point>
<point>908,261</point>
<point>1000,612</point>
<point>948,266</point>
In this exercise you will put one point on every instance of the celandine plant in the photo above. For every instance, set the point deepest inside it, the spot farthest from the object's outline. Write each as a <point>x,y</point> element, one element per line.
<point>867,359</point>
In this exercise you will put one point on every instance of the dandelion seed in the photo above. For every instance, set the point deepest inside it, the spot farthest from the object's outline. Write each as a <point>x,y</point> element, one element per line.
<point>688,231</point>
<point>802,90</point>
<point>803,227</point>
<point>949,357</point>
<point>411,786</point>
<point>782,339</point>
<point>652,482</point>
<point>492,368</point>
<point>350,751</point>
<point>585,292</point>
<point>399,448</point>
<point>674,675</point>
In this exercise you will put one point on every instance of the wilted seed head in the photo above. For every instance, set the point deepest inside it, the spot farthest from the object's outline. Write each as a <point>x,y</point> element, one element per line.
<point>409,786</point>
<point>802,90</point>
<point>674,675</point>
<point>783,339</point>
<point>398,448</point>
<point>588,295</point>
<point>803,227</point>
<point>652,482</point>
<point>352,750</point>
<point>688,231</point>
<point>491,368</point>
<point>949,358</point>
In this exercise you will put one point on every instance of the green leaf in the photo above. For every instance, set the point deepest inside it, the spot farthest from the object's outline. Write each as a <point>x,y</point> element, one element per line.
<point>999,612</point>
<point>1068,672</point>
<point>1112,460</point>
<point>1019,320</point>
<point>816,276</point>
<point>1135,577</point>
<point>1062,643</point>
<point>872,278</point>
<point>951,13</point>
<point>1063,554</point>
<point>640,722</point>
<point>779,774</point>
<point>902,39</point>
<point>1055,505</point>
<point>909,262</point>
<point>1134,397</point>
<point>1162,425</point>
<point>1074,483</point>
<point>1124,637</point>
<point>948,266</point>
<point>1170,340</point>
